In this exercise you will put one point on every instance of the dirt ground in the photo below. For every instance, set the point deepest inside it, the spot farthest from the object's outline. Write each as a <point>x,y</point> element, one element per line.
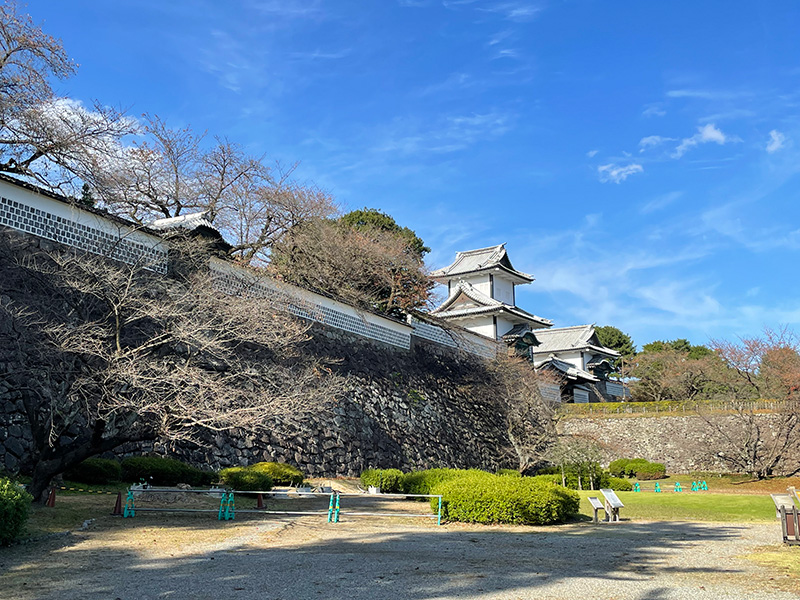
<point>194,556</point>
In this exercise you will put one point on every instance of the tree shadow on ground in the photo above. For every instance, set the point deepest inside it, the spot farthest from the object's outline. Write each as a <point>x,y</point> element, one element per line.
<point>380,560</point>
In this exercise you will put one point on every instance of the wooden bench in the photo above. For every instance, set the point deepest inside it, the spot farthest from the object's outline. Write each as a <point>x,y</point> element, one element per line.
<point>789,515</point>
<point>613,504</point>
<point>596,505</point>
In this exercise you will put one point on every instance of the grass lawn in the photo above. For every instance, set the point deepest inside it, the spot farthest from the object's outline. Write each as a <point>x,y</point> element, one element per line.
<point>690,506</point>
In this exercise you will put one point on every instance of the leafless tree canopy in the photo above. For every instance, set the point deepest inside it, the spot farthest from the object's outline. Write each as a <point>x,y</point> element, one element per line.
<point>367,267</point>
<point>110,353</point>
<point>530,418</point>
<point>54,141</point>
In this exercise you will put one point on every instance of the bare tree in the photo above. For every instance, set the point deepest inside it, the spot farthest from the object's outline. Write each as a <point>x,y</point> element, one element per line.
<point>578,456</point>
<point>768,366</point>
<point>172,172</point>
<point>368,267</point>
<point>258,217</point>
<point>54,141</point>
<point>530,419</point>
<point>106,353</point>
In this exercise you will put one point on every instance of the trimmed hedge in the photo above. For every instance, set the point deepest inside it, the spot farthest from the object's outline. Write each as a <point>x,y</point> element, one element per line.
<point>651,471</point>
<point>618,484</point>
<point>246,479</point>
<point>509,472</point>
<point>484,498</point>
<point>15,505</point>
<point>637,467</point>
<point>95,471</point>
<point>281,473</point>
<point>619,467</point>
<point>422,482</point>
<point>164,471</point>
<point>389,480</point>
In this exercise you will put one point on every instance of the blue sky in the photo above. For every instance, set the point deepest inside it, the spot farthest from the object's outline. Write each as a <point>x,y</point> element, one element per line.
<point>640,159</point>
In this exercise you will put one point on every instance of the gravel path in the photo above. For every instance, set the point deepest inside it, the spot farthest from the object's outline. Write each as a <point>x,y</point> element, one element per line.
<point>383,559</point>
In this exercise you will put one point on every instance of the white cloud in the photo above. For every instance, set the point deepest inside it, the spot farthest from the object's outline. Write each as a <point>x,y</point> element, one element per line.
<point>653,140</point>
<point>514,11</point>
<point>591,153</point>
<point>705,134</point>
<point>660,202</point>
<point>616,173</point>
<point>776,141</point>
<point>654,110</point>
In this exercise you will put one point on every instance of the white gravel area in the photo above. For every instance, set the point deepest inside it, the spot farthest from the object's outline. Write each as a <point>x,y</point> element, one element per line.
<point>385,559</point>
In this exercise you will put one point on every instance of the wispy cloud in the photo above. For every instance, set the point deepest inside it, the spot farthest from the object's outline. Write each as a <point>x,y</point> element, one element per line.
<point>705,134</point>
<point>654,110</point>
<point>776,141</point>
<point>592,153</point>
<point>708,94</point>
<point>617,173</point>
<point>292,9</point>
<point>450,134</point>
<point>519,12</point>
<point>660,202</point>
<point>320,55</point>
<point>653,140</point>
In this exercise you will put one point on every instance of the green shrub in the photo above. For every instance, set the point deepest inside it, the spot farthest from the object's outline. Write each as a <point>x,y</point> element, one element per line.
<point>618,484</point>
<point>246,479</point>
<point>95,471</point>
<point>15,504</point>
<point>509,472</point>
<point>389,480</point>
<point>651,471</point>
<point>619,467</point>
<point>591,475</point>
<point>164,471</point>
<point>485,498</point>
<point>422,482</point>
<point>633,466</point>
<point>281,473</point>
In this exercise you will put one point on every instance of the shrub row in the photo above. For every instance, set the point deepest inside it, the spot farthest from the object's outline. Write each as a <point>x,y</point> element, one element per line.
<point>15,504</point>
<point>261,476</point>
<point>390,481</point>
<point>637,467</point>
<point>479,497</point>
<point>157,470</point>
<point>95,471</point>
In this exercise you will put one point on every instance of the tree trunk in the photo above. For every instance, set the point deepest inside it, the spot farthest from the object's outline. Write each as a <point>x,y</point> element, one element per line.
<point>43,474</point>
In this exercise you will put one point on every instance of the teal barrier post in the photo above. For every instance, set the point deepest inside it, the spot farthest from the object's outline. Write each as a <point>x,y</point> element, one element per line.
<point>336,512</point>
<point>130,508</point>
<point>678,487</point>
<point>695,487</point>
<point>637,487</point>
<point>230,508</point>
<point>704,486</point>
<point>330,508</point>
<point>658,487</point>
<point>222,506</point>
<point>439,518</point>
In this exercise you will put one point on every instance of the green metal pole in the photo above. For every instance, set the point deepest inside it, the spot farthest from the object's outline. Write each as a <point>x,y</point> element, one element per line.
<point>336,513</point>
<point>130,508</point>
<point>222,504</point>
<point>439,518</point>
<point>330,508</point>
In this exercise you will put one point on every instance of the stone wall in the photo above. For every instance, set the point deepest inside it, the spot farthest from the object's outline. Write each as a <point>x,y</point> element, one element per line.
<point>409,410</point>
<point>684,443</point>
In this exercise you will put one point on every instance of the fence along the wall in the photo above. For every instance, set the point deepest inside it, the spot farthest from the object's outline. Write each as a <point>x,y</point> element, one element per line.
<point>460,339</point>
<point>37,214</point>
<point>236,280</point>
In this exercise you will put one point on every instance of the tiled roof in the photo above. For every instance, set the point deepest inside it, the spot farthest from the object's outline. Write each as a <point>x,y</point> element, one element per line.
<point>472,261</point>
<point>568,369</point>
<point>578,337</point>
<point>191,222</point>
<point>486,305</point>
